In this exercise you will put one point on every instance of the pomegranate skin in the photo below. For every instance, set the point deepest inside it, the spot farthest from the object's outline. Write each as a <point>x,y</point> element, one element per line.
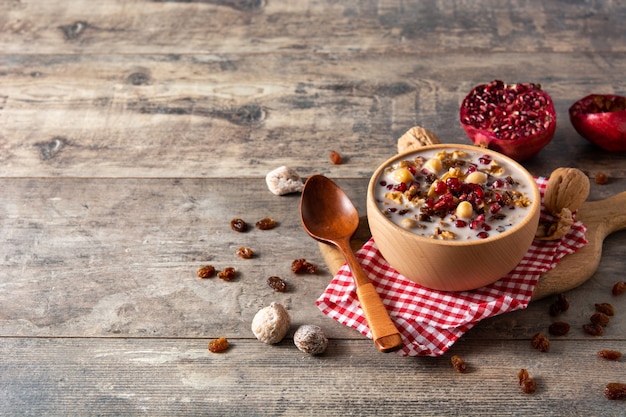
<point>517,120</point>
<point>601,119</point>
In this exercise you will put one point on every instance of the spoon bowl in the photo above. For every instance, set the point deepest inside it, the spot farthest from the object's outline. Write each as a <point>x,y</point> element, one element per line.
<point>329,216</point>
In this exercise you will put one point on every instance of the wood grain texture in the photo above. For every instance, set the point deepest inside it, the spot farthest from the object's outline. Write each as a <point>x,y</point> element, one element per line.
<point>137,116</point>
<point>305,27</point>
<point>173,377</point>
<point>132,132</point>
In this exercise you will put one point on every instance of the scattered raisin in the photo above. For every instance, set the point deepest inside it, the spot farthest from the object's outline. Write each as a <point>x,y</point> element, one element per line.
<point>206,271</point>
<point>600,319</point>
<point>605,308</point>
<point>611,355</point>
<point>601,178</point>
<point>238,225</point>
<point>458,363</point>
<point>335,158</point>
<point>277,284</point>
<point>245,253</point>
<point>540,342</point>
<point>619,288</point>
<point>561,305</point>
<point>527,384</point>
<point>266,224</point>
<point>301,266</point>
<point>559,328</point>
<point>218,345</point>
<point>615,391</point>
<point>593,329</point>
<point>227,274</point>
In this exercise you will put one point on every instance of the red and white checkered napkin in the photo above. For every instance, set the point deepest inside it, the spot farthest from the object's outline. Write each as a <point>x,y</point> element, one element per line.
<point>431,321</point>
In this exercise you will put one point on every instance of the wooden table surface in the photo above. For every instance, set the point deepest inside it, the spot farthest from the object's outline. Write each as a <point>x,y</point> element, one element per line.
<point>132,132</point>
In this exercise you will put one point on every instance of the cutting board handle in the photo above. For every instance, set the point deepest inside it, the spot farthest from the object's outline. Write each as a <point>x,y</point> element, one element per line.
<point>602,217</point>
<point>608,215</point>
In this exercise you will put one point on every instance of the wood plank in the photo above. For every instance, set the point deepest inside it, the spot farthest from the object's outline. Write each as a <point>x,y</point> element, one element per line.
<point>118,257</point>
<point>304,27</point>
<point>238,115</point>
<point>179,376</point>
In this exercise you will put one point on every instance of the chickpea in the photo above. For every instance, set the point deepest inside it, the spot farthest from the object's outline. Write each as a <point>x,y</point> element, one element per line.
<point>476,177</point>
<point>464,210</point>
<point>408,223</point>
<point>403,175</point>
<point>433,165</point>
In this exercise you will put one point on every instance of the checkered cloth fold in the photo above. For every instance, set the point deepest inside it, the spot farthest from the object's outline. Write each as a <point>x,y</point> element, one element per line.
<point>431,321</point>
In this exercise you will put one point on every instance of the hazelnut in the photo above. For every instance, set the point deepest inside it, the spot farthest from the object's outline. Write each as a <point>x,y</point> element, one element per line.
<point>271,323</point>
<point>310,339</point>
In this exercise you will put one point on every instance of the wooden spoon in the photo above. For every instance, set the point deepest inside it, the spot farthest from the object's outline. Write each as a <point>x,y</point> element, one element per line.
<point>329,216</point>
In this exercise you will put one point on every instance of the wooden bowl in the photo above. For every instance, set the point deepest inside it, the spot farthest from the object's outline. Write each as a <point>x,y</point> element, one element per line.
<point>454,265</point>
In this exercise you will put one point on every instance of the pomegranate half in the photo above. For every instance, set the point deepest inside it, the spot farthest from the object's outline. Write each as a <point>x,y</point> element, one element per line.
<point>517,120</point>
<point>601,119</point>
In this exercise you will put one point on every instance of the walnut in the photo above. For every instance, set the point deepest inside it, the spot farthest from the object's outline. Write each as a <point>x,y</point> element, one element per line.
<point>567,189</point>
<point>271,323</point>
<point>310,339</point>
<point>415,138</point>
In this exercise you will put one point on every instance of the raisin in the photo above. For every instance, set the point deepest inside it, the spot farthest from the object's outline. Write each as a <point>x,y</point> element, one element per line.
<point>218,345</point>
<point>561,305</point>
<point>301,266</point>
<point>559,328</point>
<point>238,225</point>
<point>458,364</point>
<point>527,384</point>
<point>601,178</point>
<point>277,284</point>
<point>600,319</point>
<point>335,158</point>
<point>540,342</point>
<point>615,391</point>
<point>593,329</point>
<point>266,223</point>
<point>227,274</point>
<point>245,253</point>
<point>611,355</point>
<point>206,271</point>
<point>605,308</point>
<point>619,288</point>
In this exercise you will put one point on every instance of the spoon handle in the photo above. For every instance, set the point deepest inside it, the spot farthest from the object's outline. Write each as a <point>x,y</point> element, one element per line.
<point>384,333</point>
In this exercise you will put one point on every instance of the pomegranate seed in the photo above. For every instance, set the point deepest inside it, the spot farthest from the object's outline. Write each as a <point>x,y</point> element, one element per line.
<point>460,223</point>
<point>485,159</point>
<point>402,187</point>
<point>483,235</point>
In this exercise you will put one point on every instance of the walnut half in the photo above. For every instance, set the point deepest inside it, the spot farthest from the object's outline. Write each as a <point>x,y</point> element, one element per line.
<point>415,138</point>
<point>567,189</point>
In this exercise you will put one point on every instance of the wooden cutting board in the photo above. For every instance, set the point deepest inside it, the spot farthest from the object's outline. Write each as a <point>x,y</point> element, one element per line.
<point>601,217</point>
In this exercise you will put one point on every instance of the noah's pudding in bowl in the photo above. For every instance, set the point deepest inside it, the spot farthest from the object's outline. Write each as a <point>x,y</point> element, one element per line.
<point>453,217</point>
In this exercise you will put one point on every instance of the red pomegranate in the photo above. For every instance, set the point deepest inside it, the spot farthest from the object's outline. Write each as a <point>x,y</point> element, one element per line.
<point>601,119</point>
<point>517,120</point>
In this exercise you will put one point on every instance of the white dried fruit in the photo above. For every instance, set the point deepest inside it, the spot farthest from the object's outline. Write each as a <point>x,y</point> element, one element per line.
<point>271,323</point>
<point>284,180</point>
<point>310,338</point>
